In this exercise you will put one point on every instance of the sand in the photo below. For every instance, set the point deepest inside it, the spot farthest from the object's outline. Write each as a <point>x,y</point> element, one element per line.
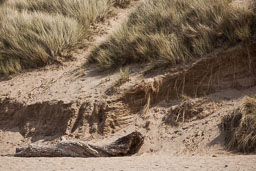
<point>138,163</point>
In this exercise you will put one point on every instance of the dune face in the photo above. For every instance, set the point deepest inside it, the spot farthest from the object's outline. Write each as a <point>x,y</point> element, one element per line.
<point>118,95</point>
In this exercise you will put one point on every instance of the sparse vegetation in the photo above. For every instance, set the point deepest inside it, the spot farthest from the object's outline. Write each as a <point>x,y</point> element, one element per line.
<point>174,32</point>
<point>123,77</point>
<point>37,32</point>
<point>240,127</point>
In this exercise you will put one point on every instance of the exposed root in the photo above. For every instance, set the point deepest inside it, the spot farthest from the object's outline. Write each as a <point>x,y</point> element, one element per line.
<point>124,146</point>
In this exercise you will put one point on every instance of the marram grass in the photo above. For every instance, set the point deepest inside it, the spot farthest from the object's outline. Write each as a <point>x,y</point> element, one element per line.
<point>240,127</point>
<point>35,33</point>
<point>32,40</point>
<point>171,32</point>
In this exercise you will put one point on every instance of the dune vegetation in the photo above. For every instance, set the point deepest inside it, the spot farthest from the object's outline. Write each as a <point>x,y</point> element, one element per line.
<point>122,3</point>
<point>240,127</point>
<point>171,32</point>
<point>39,32</point>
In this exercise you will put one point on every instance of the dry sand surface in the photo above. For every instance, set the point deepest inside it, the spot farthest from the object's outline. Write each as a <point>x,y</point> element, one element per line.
<point>153,162</point>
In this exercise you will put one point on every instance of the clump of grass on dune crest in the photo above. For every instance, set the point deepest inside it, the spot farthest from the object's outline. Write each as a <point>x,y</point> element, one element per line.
<point>240,127</point>
<point>174,32</point>
<point>32,40</point>
<point>36,32</point>
<point>84,11</point>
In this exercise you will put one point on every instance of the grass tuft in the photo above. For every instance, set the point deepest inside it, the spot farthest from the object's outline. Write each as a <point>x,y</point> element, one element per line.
<point>240,127</point>
<point>33,40</point>
<point>35,33</point>
<point>123,77</point>
<point>171,32</point>
<point>84,11</point>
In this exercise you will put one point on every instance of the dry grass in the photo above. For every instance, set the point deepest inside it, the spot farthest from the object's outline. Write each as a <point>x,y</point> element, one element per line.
<point>122,3</point>
<point>240,127</point>
<point>84,11</point>
<point>175,31</point>
<point>33,40</point>
<point>38,32</point>
<point>123,77</point>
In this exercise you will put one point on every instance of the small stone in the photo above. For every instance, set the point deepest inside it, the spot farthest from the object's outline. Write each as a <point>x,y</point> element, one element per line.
<point>214,156</point>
